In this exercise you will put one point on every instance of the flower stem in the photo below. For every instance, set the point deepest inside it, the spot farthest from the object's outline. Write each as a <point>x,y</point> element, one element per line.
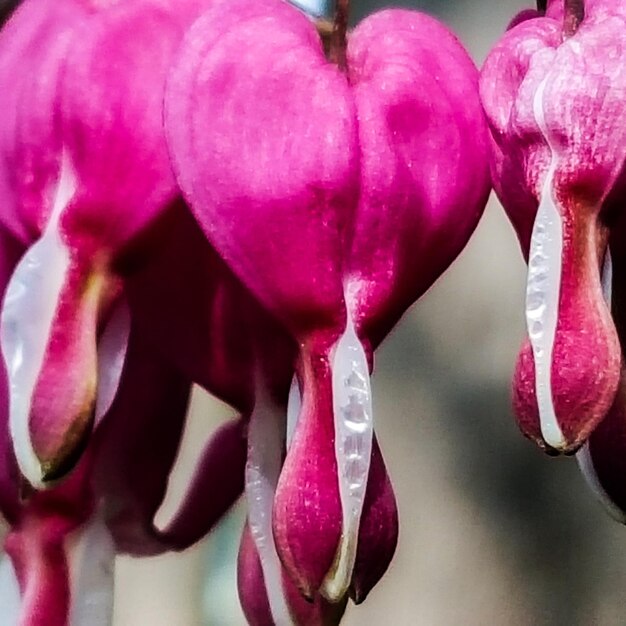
<point>338,43</point>
<point>333,34</point>
<point>574,15</point>
<point>41,566</point>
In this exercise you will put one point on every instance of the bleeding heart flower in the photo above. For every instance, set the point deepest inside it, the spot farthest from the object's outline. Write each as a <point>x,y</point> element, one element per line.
<point>88,185</point>
<point>337,198</point>
<point>554,90</point>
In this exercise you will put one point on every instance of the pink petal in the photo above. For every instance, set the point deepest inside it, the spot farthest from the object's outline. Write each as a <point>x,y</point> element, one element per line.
<point>378,533</point>
<point>291,176</point>
<point>423,155</point>
<point>307,514</point>
<point>308,510</point>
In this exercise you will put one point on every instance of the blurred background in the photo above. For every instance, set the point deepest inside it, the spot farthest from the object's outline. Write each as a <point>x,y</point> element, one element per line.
<point>491,531</point>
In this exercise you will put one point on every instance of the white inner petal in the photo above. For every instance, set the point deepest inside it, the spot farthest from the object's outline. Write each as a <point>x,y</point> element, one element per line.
<point>10,600</point>
<point>354,428</point>
<point>91,560</point>
<point>294,405</point>
<point>28,311</point>
<point>111,356</point>
<point>265,443</point>
<point>543,287</point>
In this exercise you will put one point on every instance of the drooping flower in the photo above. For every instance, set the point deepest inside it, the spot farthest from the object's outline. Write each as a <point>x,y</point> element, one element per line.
<point>95,143</point>
<point>553,89</point>
<point>337,198</point>
<point>88,186</point>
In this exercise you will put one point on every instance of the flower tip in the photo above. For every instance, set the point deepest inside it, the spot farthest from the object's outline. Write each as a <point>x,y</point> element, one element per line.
<point>43,470</point>
<point>560,415</point>
<point>358,595</point>
<point>378,535</point>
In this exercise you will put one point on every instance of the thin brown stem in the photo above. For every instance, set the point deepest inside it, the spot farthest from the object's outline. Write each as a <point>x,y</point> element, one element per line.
<point>338,43</point>
<point>542,6</point>
<point>574,15</point>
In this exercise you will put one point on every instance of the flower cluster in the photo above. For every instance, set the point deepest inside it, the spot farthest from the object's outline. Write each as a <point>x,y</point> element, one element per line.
<point>201,191</point>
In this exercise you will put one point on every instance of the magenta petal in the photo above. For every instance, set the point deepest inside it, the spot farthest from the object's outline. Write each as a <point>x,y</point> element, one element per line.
<point>424,166</point>
<point>307,514</point>
<point>378,533</point>
<point>250,583</point>
<point>39,558</point>
<point>50,314</point>
<point>217,484</point>
<point>308,517</point>
<point>110,110</point>
<point>33,46</point>
<point>292,176</point>
<point>501,79</point>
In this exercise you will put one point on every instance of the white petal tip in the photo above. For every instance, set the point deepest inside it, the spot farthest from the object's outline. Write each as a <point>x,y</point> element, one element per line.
<point>554,437</point>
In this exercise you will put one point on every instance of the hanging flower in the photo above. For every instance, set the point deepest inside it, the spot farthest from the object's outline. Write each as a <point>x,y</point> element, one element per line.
<point>337,194</point>
<point>62,541</point>
<point>88,184</point>
<point>553,90</point>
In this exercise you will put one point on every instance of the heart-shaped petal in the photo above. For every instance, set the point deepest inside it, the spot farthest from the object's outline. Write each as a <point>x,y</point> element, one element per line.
<point>330,168</point>
<point>247,169</point>
<point>423,159</point>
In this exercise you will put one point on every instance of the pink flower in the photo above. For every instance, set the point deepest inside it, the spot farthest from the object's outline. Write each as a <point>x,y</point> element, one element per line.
<point>553,90</point>
<point>88,185</point>
<point>337,199</point>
